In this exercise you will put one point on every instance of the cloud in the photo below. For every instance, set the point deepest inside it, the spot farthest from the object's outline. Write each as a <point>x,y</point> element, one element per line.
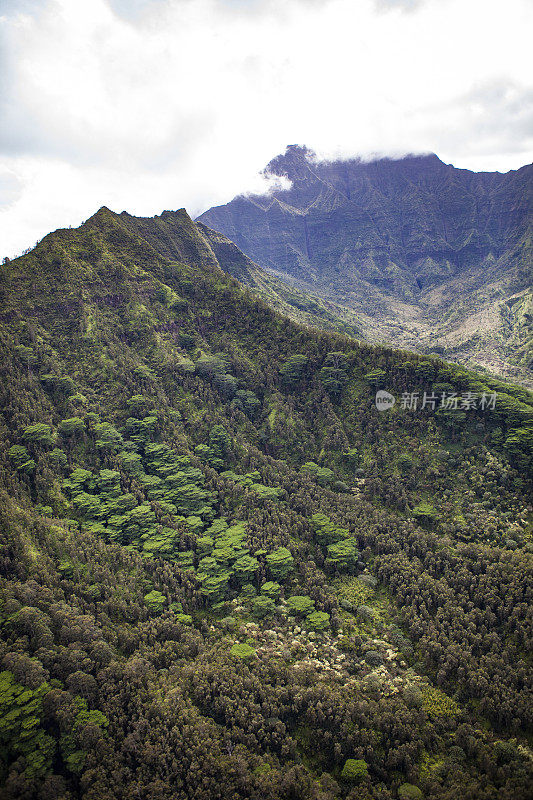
<point>10,187</point>
<point>159,104</point>
<point>406,5</point>
<point>498,116</point>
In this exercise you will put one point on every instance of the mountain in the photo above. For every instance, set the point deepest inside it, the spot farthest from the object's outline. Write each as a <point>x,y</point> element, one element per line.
<point>428,256</point>
<point>224,573</point>
<point>175,235</point>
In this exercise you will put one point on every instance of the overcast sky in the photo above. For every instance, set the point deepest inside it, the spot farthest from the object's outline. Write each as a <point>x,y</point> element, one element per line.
<point>148,105</point>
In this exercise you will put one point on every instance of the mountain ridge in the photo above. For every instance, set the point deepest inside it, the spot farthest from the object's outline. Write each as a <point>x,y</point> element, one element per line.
<point>223,571</point>
<point>380,237</point>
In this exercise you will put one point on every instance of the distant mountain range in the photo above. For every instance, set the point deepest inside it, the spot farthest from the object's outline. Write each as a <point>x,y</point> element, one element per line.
<point>410,251</point>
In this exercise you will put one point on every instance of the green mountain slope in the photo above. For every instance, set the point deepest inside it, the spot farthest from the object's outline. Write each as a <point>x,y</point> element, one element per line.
<point>224,573</point>
<point>175,235</point>
<point>427,255</point>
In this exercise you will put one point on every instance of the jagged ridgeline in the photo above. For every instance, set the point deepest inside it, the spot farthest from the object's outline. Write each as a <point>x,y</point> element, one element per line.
<point>413,251</point>
<point>225,573</point>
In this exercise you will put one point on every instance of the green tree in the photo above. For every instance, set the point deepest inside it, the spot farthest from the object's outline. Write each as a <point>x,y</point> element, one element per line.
<point>326,532</point>
<point>21,458</point>
<point>21,734</point>
<point>302,605</point>
<point>318,620</point>
<point>107,437</point>
<point>408,791</point>
<point>293,370</point>
<point>245,568</point>
<point>376,377</point>
<point>88,505</point>
<point>280,563</point>
<point>155,601</point>
<point>333,374</point>
<point>263,607</point>
<point>425,513</point>
<point>242,650</point>
<point>210,365</point>
<point>219,442</point>
<point>271,589</point>
<point>38,435</point>
<point>71,427</point>
<point>343,555</point>
<point>355,770</point>
<point>59,458</point>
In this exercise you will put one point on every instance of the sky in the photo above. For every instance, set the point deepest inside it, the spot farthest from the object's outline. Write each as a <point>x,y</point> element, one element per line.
<point>147,105</point>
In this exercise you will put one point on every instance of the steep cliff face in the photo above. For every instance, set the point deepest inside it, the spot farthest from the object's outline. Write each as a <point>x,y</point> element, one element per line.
<point>401,223</point>
<point>400,241</point>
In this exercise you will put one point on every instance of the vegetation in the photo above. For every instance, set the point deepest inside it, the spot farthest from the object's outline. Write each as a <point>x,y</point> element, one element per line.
<point>437,270</point>
<point>215,588</point>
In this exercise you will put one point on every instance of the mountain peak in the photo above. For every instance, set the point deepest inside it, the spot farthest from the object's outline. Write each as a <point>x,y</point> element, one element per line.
<point>371,234</point>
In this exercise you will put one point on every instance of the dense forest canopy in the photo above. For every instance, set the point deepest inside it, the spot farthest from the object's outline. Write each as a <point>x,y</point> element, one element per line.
<point>224,573</point>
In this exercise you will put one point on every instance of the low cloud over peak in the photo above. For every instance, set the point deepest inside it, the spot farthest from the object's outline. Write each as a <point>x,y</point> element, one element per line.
<point>163,103</point>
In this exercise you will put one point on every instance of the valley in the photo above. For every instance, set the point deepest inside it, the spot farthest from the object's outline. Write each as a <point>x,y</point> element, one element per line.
<point>417,253</point>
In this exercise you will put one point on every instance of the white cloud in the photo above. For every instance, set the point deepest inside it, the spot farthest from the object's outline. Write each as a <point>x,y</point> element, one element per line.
<point>159,104</point>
